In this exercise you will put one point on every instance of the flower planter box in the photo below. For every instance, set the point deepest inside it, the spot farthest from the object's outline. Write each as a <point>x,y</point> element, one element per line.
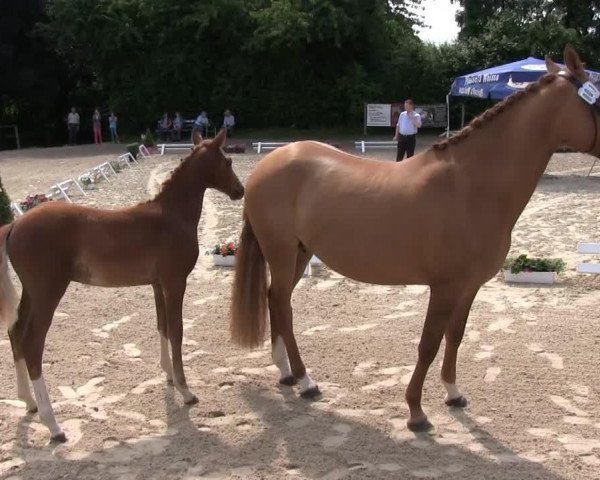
<point>530,277</point>
<point>221,261</point>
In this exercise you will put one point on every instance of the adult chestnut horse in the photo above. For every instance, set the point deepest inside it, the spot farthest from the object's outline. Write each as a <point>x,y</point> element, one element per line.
<point>154,243</point>
<point>447,215</point>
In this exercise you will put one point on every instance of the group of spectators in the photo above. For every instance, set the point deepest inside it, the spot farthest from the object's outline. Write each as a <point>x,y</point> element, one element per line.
<point>171,129</point>
<point>74,122</point>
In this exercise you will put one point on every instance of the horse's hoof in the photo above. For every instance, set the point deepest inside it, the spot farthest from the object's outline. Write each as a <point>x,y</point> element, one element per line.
<point>311,394</point>
<point>193,400</point>
<point>32,410</point>
<point>459,402</point>
<point>60,438</point>
<point>422,425</point>
<point>170,382</point>
<point>288,381</point>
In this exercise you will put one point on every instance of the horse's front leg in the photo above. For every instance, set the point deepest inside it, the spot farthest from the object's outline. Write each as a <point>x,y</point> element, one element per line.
<point>173,295</point>
<point>454,334</point>
<point>161,323</point>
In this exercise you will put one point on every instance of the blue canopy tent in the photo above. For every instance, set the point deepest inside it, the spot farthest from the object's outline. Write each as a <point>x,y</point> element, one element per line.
<point>496,83</point>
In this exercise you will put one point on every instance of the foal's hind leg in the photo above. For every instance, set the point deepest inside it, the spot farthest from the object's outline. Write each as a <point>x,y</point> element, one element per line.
<point>441,305</point>
<point>15,334</point>
<point>173,294</point>
<point>32,346</point>
<point>161,317</point>
<point>278,350</point>
<point>454,334</point>
<point>284,275</point>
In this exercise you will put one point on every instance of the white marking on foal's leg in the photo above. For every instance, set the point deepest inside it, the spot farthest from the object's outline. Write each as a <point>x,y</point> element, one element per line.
<point>165,359</point>
<point>23,391</point>
<point>45,408</point>
<point>453,391</point>
<point>280,358</point>
<point>306,383</point>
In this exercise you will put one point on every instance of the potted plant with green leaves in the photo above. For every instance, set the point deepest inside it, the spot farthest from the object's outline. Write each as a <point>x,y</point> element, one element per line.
<point>523,269</point>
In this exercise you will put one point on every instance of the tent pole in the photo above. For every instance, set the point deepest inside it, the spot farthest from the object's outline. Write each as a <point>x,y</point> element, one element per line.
<point>462,115</point>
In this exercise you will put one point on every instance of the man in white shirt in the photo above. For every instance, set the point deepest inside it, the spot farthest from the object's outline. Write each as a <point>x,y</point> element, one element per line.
<point>73,126</point>
<point>228,122</point>
<point>202,123</point>
<point>409,122</point>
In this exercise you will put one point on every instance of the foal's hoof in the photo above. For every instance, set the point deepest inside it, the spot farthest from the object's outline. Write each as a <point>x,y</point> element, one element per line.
<point>170,382</point>
<point>459,402</point>
<point>32,409</point>
<point>311,394</point>
<point>288,381</point>
<point>422,425</point>
<point>60,438</point>
<point>193,400</point>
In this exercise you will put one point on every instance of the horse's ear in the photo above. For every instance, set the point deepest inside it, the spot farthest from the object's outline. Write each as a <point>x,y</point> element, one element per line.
<point>551,66</point>
<point>196,137</point>
<point>573,62</point>
<point>219,140</point>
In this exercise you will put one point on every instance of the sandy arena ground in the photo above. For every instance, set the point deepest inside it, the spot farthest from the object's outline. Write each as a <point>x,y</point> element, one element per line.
<point>528,364</point>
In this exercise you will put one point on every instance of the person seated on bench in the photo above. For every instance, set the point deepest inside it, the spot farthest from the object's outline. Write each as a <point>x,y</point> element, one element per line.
<point>228,122</point>
<point>164,127</point>
<point>177,126</point>
<point>201,124</point>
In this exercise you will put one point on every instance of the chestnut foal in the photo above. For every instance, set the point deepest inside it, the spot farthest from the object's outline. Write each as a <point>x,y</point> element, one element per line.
<point>309,197</point>
<point>153,243</point>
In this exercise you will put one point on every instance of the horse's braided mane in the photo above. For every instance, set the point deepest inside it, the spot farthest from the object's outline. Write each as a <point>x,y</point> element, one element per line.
<point>493,112</point>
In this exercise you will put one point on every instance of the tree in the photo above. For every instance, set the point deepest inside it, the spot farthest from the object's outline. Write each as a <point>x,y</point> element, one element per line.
<point>6,215</point>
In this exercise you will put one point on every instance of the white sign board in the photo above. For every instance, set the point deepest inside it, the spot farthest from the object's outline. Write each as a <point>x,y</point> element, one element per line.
<point>379,114</point>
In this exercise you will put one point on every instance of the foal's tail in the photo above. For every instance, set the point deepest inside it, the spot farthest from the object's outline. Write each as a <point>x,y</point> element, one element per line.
<point>9,298</point>
<point>249,302</point>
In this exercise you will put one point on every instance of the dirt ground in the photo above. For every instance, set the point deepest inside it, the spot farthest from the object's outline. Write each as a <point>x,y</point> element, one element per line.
<point>529,362</point>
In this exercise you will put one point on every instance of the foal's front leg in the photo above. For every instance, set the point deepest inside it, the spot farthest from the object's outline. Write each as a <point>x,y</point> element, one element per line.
<point>161,317</point>
<point>173,295</point>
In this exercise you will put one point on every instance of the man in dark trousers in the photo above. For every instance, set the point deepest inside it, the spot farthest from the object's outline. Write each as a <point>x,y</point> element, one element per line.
<point>409,122</point>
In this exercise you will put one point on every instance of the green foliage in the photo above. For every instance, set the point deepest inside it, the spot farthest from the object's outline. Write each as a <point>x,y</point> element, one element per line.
<point>149,139</point>
<point>524,264</point>
<point>6,215</point>
<point>133,149</point>
<point>280,63</point>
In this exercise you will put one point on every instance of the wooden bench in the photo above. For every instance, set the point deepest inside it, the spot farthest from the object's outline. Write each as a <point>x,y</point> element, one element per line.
<point>260,146</point>
<point>590,249</point>
<point>364,145</point>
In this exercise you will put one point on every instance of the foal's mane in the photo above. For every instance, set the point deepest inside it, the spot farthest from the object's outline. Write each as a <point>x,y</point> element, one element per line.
<point>175,176</point>
<point>493,112</point>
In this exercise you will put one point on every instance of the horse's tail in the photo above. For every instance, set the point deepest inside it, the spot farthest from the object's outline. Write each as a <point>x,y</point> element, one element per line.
<point>249,302</point>
<point>9,298</point>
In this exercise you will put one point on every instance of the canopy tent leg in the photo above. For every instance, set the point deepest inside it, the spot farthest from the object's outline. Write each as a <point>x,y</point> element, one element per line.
<point>462,115</point>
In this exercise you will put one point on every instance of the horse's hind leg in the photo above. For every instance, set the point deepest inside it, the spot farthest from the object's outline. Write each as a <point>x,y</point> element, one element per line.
<point>15,334</point>
<point>441,304</point>
<point>278,350</point>
<point>161,317</point>
<point>286,270</point>
<point>454,334</point>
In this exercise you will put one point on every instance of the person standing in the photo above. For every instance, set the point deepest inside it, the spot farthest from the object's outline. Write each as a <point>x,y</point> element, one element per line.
<point>409,122</point>
<point>97,124</point>
<point>73,126</point>
<point>112,125</point>
<point>228,122</point>
<point>177,126</point>
<point>201,124</point>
